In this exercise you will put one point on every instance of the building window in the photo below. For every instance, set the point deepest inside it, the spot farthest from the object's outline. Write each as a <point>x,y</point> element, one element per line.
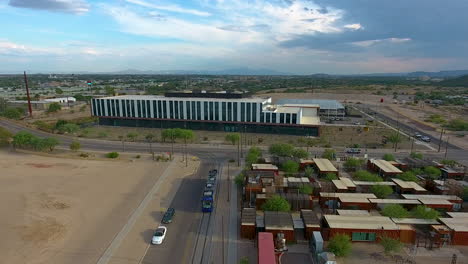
<point>94,107</point>
<point>187,109</point>
<point>194,116</point>
<point>155,109</point>
<point>128,106</point>
<point>294,118</point>
<point>363,236</point>
<point>139,108</point>
<point>205,109</point>
<point>217,111</point>
<point>211,111</point>
<point>254,112</point>
<point>235,111</point>
<point>160,109</point>
<point>198,110</point>
<point>171,110</point>
<point>181,109</point>
<point>176,109</point>
<point>248,112</point>
<point>164,106</point>
<point>243,112</point>
<point>288,118</point>
<point>143,109</point>
<point>148,108</point>
<point>262,117</point>
<point>132,108</point>
<point>268,117</point>
<point>229,112</point>
<point>223,110</point>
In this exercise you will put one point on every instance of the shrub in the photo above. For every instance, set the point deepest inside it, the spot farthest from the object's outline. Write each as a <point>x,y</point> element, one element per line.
<point>353,163</point>
<point>54,107</point>
<point>458,125</point>
<point>424,212</point>
<point>239,180</point>
<point>395,210</point>
<point>363,175</point>
<point>416,155</point>
<point>330,176</point>
<point>340,245</point>
<point>448,162</point>
<point>308,172</point>
<point>276,203</point>
<point>408,176</point>
<point>381,191</point>
<point>102,134</point>
<point>306,189</point>
<point>68,128</point>
<point>138,156</point>
<point>12,113</point>
<point>329,154</point>
<point>300,153</point>
<point>5,137</point>
<point>390,245</point>
<point>112,155</point>
<point>388,157</point>
<point>233,138</point>
<point>432,172</point>
<point>41,125</point>
<point>290,167</point>
<point>75,145</point>
<point>281,149</point>
<point>84,155</point>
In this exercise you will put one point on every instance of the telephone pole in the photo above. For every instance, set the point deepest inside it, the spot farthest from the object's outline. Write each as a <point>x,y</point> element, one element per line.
<point>27,94</point>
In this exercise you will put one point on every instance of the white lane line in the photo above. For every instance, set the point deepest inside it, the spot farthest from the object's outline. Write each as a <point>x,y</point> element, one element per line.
<point>115,244</point>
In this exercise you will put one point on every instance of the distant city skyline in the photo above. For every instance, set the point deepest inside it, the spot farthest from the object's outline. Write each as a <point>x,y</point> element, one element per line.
<point>298,37</point>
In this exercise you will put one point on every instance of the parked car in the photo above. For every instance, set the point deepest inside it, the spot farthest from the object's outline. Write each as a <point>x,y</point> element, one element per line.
<point>417,135</point>
<point>168,215</point>
<point>159,235</point>
<point>209,185</point>
<point>353,151</point>
<point>213,172</point>
<point>426,139</point>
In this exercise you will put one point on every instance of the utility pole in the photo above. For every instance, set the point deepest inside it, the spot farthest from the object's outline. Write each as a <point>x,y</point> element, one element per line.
<point>446,146</point>
<point>440,138</point>
<point>27,94</point>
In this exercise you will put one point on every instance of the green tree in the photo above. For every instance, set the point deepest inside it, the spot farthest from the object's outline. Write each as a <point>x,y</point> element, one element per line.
<point>424,212</point>
<point>170,133</point>
<point>281,149</point>
<point>290,167</point>
<point>416,155</point>
<point>276,203</point>
<point>465,194</point>
<point>390,245</point>
<point>432,172</point>
<point>58,91</point>
<point>300,153</point>
<point>381,191</point>
<point>448,162</point>
<point>329,154</point>
<point>5,137</point>
<point>308,171</point>
<point>306,189</point>
<point>233,138</point>
<point>353,163</point>
<point>185,135</point>
<point>12,113</point>
<point>252,156</point>
<point>149,138</point>
<point>407,176</point>
<point>363,175</point>
<point>75,146</point>
<point>239,180</point>
<point>50,143</point>
<point>68,128</point>
<point>395,210</point>
<point>340,245</point>
<point>395,139</point>
<point>330,176</point>
<point>109,90</point>
<point>388,157</point>
<point>22,139</point>
<point>112,155</point>
<point>54,107</point>
<point>3,104</point>
<point>244,260</point>
<point>132,136</point>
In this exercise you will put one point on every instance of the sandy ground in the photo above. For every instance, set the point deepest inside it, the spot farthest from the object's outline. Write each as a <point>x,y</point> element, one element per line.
<point>58,210</point>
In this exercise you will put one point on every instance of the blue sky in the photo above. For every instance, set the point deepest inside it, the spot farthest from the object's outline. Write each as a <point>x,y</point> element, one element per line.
<point>302,37</point>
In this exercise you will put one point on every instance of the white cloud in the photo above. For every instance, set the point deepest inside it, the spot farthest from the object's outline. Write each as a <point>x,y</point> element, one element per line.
<point>369,43</point>
<point>170,8</point>
<point>353,26</point>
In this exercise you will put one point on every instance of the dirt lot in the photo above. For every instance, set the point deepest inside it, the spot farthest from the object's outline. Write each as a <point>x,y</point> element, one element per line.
<point>57,210</point>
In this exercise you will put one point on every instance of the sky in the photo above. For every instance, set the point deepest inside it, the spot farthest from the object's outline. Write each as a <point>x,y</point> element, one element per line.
<point>291,36</point>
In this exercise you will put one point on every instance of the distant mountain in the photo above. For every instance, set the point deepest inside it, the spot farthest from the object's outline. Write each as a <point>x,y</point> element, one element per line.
<point>235,71</point>
<point>440,74</point>
<point>460,81</point>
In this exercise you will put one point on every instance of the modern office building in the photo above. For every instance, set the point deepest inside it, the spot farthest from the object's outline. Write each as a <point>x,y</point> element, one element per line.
<point>328,108</point>
<point>229,112</point>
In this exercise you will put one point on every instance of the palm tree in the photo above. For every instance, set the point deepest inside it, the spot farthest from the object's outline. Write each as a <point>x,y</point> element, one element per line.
<point>122,139</point>
<point>150,138</point>
<point>185,134</point>
<point>395,138</point>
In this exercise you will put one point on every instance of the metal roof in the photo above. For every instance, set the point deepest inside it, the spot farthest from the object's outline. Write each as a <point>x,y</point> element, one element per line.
<point>324,104</point>
<point>366,183</point>
<point>432,196</point>
<point>458,224</point>
<point>409,185</point>
<point>415,221</point>
<point>339,185</point>
<point>310,218</point>
<point>360,222</point>
<point>278,220</point>
<point>348,195</point>
<point>353,212</point>
<point>429,201</point>
<point>264,167</point>
<point>354,200</point>
<point>458,215</point>
<point>248,216</point>
<point>394,201</point>
<point>325,165</point>
<point>386,166</point>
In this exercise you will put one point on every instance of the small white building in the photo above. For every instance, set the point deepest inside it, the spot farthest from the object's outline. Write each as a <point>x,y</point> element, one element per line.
<point>61,100</point>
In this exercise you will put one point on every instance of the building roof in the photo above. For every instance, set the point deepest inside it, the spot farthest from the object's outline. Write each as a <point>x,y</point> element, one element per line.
<point>360,222</point>
<point>409,185</point>
<point>347,195</point>
<point>339,185</point>
<point>278,220</point>
<point>386,166</point>
<point>430,201</point>
<point>248,216</point>
<point>394,201</point>
<point>324,165</point>
<point>310,218</point>
<point>458,224</point>
<point>432,196</point>
<point>353,212</point>
<point>160,97</point>
<point>264,167</point>
<point>367,183</point>
<point>347,182</point>
<point>458,215</point>
<point>414,221</point>
<point>354,200</point>
<point>324,104</point>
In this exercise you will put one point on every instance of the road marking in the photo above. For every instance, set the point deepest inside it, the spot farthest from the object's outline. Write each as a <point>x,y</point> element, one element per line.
<point>115,244</point>
<point>144,254</point>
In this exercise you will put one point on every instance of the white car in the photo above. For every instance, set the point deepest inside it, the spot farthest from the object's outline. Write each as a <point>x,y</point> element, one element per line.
<point>159,235</point>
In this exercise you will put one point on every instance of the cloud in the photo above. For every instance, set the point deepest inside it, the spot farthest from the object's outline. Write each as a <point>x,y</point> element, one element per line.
<point>170,8</point>
<point>368,43</point>
<point>65,6</point>
<point>353,26</point>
